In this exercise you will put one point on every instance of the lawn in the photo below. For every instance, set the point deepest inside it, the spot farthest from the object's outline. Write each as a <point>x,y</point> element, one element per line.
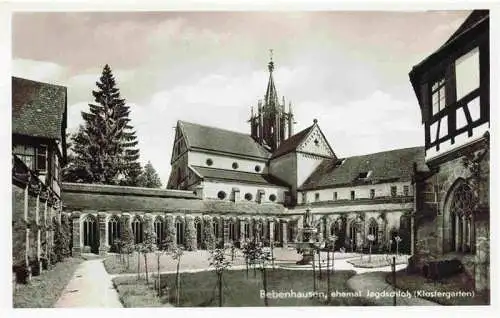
<point>44,290</point>
<point>456,283</point>
<point>200,289</point>
<point>377,260</point>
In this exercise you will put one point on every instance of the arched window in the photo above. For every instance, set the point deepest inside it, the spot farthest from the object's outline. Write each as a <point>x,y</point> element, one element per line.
<point>91,233</point>
<point>353,233</point>
<point>137,229</point>
<point>373,230</point>
<point>114,230</point>
<point>199,232</point>
<point>216,229</point>
<point>159,230</point>
<point>461,218</point>
<point>179,226</point>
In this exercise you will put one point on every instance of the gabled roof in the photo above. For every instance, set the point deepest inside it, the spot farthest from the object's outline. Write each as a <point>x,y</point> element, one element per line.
<point>474,25</point>
<point>386,166</point>
<point>476,17</point>
<point>238,176</point>
<point>221,140</point>
<point>38,109</point>
<point>292,143</point>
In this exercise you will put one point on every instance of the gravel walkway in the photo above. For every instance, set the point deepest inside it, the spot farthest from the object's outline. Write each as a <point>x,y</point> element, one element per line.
<point>90,286</point>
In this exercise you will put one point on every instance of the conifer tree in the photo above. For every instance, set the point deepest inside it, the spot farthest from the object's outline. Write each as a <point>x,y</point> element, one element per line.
<point>149,177</point>
<point>104,149</point>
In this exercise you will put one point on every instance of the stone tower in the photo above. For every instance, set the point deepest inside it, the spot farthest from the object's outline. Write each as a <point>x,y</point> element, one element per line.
<point>271,124</point>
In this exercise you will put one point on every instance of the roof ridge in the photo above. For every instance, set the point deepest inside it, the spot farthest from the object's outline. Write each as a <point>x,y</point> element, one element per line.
<point>38,82</point>
<point>380,152</point>
<point>213,127</point>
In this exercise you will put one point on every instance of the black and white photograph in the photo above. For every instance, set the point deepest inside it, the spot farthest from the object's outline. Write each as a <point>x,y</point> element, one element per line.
<point>249,158</point>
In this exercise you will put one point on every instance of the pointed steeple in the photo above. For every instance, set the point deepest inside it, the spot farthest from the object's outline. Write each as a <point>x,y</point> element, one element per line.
<point>271,97</point>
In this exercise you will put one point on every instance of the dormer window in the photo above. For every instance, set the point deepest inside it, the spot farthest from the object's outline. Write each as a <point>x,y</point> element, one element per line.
<point>363,175</point>
<point>339,163</point>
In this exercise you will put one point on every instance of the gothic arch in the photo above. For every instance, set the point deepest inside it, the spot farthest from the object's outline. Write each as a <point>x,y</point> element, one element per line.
<point>458,218</point>
<point>90,235</point>
<point>138,228</point>
<point>114,230</point>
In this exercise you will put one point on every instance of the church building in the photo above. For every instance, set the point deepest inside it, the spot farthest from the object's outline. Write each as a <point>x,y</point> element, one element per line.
<point>350,197</point>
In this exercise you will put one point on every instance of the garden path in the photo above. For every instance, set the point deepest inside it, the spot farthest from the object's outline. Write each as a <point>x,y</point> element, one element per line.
<point>90,286</point>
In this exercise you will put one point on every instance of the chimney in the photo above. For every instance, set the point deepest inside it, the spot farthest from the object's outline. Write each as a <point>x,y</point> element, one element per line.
<point>198,190</point>
<point>236,195</point>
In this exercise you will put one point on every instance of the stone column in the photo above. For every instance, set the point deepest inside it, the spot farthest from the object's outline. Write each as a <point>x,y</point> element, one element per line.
<point>77,241</point>
<point>242,232</point>
<point>38,232</point>
<point>464,233</point>
<point>284,234</point>
<point>27,233</point>
<point>412,234</point>
<point>190,233</point>
<point>457,232</point>
<point>46,223</point>
<point>271,232</point>
<point>103,233</point>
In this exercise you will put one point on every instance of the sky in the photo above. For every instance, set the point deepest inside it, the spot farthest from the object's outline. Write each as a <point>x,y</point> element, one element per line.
<point>348,70</point>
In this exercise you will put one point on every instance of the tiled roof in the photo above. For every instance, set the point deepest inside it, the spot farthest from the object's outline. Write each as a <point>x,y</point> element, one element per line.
<point>238,176</point>
<point>99,198</point>
<point>221,140</point>
<point>291,143</point>
<point>113,189</point>
<point>387,166</point>
<point>38,108</point>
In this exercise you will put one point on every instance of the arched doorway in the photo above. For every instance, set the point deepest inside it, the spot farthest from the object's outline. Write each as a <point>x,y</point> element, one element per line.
<point>337,228</point>
<point>91,233</point>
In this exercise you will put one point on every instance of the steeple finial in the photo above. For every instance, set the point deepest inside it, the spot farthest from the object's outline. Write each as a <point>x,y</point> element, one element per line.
<point>270,66</point>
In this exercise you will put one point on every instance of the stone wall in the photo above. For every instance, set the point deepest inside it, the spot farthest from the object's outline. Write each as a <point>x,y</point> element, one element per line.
<point>433,231</point>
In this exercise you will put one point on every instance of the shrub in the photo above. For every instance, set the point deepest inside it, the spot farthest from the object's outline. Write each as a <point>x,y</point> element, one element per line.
<point>208,234</point>
<point>170,231</point>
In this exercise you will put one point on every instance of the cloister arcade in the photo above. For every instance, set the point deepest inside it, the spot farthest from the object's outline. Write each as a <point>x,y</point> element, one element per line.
<point>97,232</point>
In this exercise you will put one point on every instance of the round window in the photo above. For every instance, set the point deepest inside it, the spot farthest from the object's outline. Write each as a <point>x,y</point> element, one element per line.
<point>257,168</point>
<point>235,165</point>
<point>221,195</point>
<point>248,196</point>
<point>210,162</point>
<point>272,197</point>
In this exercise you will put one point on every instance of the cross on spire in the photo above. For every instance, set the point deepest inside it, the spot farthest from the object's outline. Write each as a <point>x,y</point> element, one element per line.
<point>270,66</point>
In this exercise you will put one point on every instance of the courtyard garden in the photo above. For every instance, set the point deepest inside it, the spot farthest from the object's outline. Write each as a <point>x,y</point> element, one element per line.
<point>44,290</point>
<point>456,283</point>
<point>201,289</point>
